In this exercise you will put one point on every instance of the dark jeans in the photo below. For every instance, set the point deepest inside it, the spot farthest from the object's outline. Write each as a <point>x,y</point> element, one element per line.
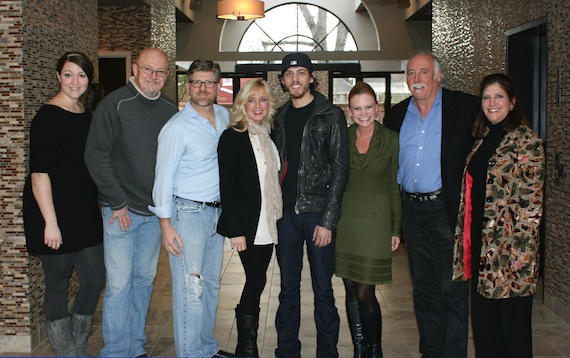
<point>294,232</point>
<point>441,305</point>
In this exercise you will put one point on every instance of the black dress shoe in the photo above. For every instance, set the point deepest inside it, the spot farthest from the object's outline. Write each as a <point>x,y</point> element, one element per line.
<point>222,353</point>
<point>142,355</point>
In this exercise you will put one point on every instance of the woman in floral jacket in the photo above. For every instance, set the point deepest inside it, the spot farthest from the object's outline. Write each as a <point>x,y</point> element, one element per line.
<point>497,233</point>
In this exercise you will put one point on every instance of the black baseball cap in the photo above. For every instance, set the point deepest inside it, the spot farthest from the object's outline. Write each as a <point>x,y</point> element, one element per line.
<point>296,59</point>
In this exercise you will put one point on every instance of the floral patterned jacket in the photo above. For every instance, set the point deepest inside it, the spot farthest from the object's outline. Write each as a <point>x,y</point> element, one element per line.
<point>513,209</point>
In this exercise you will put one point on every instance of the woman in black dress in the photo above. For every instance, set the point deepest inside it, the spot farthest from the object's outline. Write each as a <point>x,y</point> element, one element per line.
<point>61,215</point>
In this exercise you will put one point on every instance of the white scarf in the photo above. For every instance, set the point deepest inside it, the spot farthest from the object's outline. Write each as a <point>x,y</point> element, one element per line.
<point>272,190</point>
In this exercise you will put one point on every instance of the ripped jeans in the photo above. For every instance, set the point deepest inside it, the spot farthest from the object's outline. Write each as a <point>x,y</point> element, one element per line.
<point>196,278</point>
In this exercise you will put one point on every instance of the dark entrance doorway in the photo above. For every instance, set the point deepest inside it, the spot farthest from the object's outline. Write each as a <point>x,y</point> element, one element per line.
<point>114,70</point>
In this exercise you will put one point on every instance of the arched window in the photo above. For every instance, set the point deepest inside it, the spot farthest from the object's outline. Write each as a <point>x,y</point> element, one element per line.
<point>297,27</point>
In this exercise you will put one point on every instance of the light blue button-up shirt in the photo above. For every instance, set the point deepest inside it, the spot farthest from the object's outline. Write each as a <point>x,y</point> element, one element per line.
<point>187,159</point>
<point>420,149</point>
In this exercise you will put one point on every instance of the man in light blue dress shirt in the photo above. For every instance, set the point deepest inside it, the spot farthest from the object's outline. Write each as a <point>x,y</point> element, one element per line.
<point>186,196</point>
<point>435,137</point>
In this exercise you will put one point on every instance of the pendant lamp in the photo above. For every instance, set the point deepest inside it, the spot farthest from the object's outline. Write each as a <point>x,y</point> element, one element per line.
<point>240,9</point>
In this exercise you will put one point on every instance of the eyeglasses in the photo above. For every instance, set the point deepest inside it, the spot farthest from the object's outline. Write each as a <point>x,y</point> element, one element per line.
<point>198,83</point>
<point>149,71</point>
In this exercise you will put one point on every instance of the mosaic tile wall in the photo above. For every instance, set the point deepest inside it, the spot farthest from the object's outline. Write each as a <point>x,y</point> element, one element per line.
<point>469,37</point>
<point>33,36</point>
<point>132,28</point>
<point>163,36</point>
<point>124,28</point>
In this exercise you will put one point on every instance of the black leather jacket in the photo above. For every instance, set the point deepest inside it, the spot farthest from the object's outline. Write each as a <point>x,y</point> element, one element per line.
<point>324,162</point>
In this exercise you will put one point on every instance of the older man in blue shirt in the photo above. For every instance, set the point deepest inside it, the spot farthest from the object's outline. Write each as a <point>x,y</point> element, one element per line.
<point>435,137</point>
<point>186,195</point>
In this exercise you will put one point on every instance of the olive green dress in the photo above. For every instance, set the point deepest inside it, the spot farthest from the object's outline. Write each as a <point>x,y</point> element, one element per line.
<point>371,210</point>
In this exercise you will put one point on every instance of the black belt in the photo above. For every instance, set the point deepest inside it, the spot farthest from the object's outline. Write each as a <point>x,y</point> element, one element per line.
<point>214,204</point>
<point>433,196</point>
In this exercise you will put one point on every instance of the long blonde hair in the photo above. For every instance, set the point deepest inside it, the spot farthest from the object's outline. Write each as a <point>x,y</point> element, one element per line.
<point>238,120</point>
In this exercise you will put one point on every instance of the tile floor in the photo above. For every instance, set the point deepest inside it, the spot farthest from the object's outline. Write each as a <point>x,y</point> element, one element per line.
<point>400,335</point>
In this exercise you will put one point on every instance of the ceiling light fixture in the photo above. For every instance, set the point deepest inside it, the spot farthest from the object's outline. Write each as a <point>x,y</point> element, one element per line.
<point>240,9</point>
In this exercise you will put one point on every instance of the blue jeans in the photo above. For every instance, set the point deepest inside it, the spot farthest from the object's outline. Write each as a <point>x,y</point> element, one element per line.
<point>294,232</point>
<point>196,278</point>
<point>131,259</point>
<point>441,305</point>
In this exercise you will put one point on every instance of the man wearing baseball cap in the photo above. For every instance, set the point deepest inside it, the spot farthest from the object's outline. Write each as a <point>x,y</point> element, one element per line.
<point>311,135</point>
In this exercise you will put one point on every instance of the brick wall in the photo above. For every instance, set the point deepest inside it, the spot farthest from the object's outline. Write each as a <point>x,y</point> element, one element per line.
<point>13,259</point>
<point>469,37</point>
<point>33,36</point>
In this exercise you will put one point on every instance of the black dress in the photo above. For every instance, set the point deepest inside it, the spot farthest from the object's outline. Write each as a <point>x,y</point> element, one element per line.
<point>478,170</point>
<point>57,144</point>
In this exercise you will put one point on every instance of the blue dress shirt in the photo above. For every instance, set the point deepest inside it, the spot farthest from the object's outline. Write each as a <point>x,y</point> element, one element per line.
<point>420,149</point>
<point>187,159</point>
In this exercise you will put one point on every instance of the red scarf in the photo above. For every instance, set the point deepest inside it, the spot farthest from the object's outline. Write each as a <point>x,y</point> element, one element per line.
<point>467,219</point>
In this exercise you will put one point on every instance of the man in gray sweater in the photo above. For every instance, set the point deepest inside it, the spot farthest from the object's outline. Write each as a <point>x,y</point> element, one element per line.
<point>121,154</point>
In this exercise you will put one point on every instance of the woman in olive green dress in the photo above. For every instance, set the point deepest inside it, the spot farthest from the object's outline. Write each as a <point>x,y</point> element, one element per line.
<point>369,229</point>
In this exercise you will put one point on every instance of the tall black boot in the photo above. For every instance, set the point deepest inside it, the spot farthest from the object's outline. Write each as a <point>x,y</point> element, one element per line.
<point>372,324</point>
<point>247,326</point>
<point>356,330</point>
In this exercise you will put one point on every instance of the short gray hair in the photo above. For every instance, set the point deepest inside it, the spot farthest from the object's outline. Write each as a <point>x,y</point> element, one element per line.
<point>436,63</point>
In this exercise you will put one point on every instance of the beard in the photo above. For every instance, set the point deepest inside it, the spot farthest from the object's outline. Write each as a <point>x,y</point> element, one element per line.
<point>151,91</point>
<point>203,101</point>
<point>298,92</point>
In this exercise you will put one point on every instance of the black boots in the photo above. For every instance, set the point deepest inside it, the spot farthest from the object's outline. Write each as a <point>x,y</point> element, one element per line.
<point>356,330</point>
<point>372,324</point>
<point>247,326</point>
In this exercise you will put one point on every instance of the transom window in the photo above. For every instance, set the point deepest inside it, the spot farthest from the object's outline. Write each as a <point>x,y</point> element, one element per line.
<point>297,27</point>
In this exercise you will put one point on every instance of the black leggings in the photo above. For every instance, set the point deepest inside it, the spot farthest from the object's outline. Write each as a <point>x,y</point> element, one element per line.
<point>364,293</point>
<point>90,267</point>
<point>255,261</point>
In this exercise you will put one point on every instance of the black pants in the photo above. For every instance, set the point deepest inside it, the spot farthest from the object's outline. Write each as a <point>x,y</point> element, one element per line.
<point>255,261</point>
<point>501,328</point>
<point>441,305</point>
<point>90,267</point>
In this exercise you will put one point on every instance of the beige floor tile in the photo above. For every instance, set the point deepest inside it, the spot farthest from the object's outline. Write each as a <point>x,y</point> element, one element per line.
<point>164,348</point>
<point>563,350</point>
<point>554,335</point>
<point>541,348</point>
<point>400,335</point>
